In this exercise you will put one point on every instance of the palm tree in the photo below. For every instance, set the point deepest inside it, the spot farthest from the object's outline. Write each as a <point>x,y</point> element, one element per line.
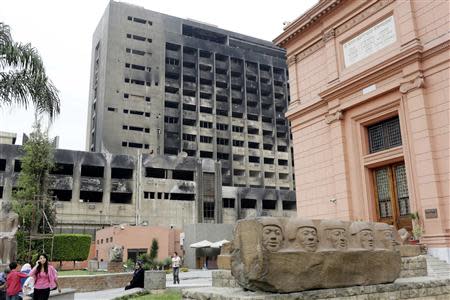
<point>23,78</point>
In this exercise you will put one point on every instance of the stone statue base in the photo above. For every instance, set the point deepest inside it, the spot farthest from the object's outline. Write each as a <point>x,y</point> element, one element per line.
<point>115,266</point>
<point>404,288</point>
<point>3,267</point>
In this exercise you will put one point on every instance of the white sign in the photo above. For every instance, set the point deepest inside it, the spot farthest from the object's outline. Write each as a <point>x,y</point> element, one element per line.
<point>370,41</point>
<point>369,89</point>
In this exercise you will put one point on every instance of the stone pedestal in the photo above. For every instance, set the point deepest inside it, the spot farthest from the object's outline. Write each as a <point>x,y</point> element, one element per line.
<point>224,259</point>
<point>154,280</point>
<point>410,250</point>
<point>404,288</point>
<point>115,266</point>
<point>415,266</point>
<point>223,278</point>
<point>93,265</point>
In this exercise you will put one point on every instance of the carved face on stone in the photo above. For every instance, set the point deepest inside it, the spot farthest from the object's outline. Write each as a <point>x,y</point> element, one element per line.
<point>307,238</point>
<point>272,237</point>
<point>337,238</point>
<point>366,239</point>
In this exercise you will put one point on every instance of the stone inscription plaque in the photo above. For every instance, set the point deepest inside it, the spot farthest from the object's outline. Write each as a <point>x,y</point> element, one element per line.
<point>431,213</point>
<point>370,41</point>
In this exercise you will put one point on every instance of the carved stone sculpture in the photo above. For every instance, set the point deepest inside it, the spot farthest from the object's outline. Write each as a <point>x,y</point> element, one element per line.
<point>404,235</point>
<point>9,223</point>
<point>289,255</point>
<point>116,254</point>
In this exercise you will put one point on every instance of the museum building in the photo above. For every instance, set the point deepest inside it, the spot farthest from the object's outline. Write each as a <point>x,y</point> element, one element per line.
<point>369,110</point>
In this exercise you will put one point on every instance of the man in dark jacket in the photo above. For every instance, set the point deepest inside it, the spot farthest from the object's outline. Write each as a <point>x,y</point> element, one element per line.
<point>138,277</point>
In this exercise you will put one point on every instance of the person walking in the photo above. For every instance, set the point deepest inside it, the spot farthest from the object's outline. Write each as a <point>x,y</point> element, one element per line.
<point>176,263</point>
<point>45,278</point>
<point>13,287</point>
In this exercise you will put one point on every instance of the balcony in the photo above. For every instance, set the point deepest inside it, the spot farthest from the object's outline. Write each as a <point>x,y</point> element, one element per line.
<point>190,100</point>
<point>266,89</point>
<point>171,69</point>
<point>238,164</point>
<point>222,92</point>
<point>172,97</point>
<point>270,182</point>
<point>239,180</point>
<point>254,152</point>
<point>189,145</point>
<point>205,102</point>
<point>171,127</point>
<point>189,72</point>
<point>236,94</point>
<point>223,149</point>
<point>252,72</point>
<point>121,185</point>
<point>172,142</point>
<point>254,138</point>
<point>269,168</point>
<point>269,153</point>
<point>282,128</point>
<point>206,75</point>
<point>264,74</point>
<point>238,150</point>
<point>222,78</point>
<point>236,68</point>
<point>174,83</point>
<point>222,105</point>
<point>254,166</point>
<point>283,169</point>
<point>221,65</point>
<point>252,97</point>
<point>278,90</point>
<point>172,54</point>
<point>267,113</point>
<point>266,100</point>
<point>171,112</point>
<point>189,58</point>
<point>237,81</point>
<point>207,89</point>
<point>92,184</point>
<point>206,147</point>
<point>251,85</point>
<point>255,181</point>
<point>253,110</point>
<point>205,60</point>
<point>191,86</point>
<point>187,114</point>
<point>60,182</point>
<point>278,76</point>
<point>283,155</point>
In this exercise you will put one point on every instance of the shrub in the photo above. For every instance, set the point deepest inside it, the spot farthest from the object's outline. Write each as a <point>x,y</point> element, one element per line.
<point>70,247</point>
<point>184,269</point>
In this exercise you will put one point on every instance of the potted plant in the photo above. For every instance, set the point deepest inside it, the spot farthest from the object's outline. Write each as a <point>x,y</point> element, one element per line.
<point>417,229</point>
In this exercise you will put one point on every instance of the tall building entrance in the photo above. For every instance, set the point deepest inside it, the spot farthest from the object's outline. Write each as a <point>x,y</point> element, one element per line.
<point>391,194</point>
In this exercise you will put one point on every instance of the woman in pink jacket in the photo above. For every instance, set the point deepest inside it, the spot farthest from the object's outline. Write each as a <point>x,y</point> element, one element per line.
<point>45,278</point>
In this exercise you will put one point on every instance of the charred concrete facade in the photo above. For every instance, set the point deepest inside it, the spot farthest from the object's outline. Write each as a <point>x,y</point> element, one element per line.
<point>97,189</point>
<point>165,85</point>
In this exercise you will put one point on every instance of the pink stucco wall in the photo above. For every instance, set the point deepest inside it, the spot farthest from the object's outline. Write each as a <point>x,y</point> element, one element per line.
<point>137,237</point>
<point>329,112</point>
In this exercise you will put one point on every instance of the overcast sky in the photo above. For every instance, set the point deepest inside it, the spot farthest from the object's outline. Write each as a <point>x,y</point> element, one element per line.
<point>62,31</point>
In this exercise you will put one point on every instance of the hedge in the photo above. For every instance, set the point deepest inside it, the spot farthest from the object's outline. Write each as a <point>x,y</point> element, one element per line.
<point>71,247</point>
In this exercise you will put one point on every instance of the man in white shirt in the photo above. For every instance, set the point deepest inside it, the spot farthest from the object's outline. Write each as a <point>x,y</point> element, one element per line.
<point>176,263</point>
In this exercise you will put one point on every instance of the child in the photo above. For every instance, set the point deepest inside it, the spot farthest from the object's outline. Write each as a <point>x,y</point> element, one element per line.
<point>13,287</point>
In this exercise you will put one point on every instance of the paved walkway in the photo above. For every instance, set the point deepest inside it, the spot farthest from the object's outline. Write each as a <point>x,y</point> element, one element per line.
<point>193,278</point>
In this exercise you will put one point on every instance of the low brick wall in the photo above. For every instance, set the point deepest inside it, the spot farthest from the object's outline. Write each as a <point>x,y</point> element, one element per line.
<point>223,278</point>
<point>414,266</point>
<point>88,283</point>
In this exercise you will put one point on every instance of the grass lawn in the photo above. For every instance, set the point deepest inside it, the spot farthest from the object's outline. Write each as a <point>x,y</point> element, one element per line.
<point>168,295</point>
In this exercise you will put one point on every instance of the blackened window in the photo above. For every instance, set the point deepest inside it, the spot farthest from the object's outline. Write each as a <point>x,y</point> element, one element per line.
<point>384,135</point>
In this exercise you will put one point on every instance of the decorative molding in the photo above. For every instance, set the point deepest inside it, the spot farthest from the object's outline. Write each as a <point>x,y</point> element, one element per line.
<point>379,5</point>
<point>413,84</point>
<point>310,50</point>
<point>328,35</point>
<point>291,60</point>
<point>332,117</point>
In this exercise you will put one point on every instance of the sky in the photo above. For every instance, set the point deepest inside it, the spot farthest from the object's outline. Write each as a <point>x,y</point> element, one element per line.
<point>62,31</point>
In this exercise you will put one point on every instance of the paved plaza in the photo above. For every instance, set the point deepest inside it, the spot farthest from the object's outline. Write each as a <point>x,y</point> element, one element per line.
<point>194,278</point>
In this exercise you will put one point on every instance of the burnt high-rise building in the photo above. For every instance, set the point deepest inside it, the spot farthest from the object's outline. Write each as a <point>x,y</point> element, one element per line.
<point>165,85</point>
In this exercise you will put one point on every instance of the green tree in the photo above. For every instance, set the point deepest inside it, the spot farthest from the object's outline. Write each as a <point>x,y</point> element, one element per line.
<point>23,78</point>
<point>154,250</point>
<point>32,187</point>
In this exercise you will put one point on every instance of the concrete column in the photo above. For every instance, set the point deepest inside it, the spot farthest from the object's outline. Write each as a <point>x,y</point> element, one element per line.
<point>8,180</point>
<point>218,207</point>
<point>76,180</point>
<point>106,199</point>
